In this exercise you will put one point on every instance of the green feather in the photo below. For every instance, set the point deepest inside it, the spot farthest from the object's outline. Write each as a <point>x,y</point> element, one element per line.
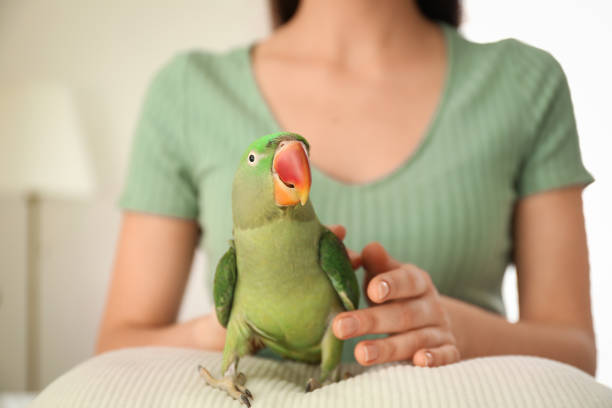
<point>334,260</point>
<point>225,281</point>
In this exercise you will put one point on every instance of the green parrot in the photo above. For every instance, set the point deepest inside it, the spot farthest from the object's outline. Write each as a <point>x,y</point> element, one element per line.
<point>285,275</point>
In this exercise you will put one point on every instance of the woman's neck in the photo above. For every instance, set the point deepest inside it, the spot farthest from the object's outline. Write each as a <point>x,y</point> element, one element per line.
<point>358,33</point>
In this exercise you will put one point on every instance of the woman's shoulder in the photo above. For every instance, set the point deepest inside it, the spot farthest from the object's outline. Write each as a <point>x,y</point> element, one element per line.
<point>213,83</point>
<point>510,56</point>
<point>201,63</point>
<point>524,73</point>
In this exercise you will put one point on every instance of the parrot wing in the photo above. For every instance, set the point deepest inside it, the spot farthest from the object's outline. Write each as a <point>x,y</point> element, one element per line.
<point>334,260</point>
<point>225,281</point>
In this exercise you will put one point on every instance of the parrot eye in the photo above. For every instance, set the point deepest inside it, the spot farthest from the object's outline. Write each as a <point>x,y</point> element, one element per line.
<point>253,158</point>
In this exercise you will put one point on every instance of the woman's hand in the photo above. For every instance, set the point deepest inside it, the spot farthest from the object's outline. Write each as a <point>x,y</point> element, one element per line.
<point>407,306</point>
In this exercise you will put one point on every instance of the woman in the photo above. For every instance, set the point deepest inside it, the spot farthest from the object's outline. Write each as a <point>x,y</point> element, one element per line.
<point>455,158</point>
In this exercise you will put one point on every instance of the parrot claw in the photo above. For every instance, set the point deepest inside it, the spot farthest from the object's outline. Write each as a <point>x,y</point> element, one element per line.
<point>233,385</point>
<point>245,400</point>
<point>312,385</point>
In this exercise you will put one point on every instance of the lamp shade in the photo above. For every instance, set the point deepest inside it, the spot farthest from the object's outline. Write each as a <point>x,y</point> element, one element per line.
<point>41,148</point>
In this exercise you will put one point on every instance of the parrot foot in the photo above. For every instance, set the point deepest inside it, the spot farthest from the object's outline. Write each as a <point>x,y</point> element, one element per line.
<point>240,378</point>
<point>233,385</point>
<point>340,376</point>
<point>312,385</point>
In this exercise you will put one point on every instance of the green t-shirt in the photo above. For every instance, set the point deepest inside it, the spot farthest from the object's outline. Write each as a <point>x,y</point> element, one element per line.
<point>504,129</point>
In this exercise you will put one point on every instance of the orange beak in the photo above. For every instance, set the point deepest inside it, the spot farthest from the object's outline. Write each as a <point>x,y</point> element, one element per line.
<point>291,172</point>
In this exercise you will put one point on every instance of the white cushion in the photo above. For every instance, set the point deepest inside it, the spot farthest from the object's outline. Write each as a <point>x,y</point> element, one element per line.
<point>168,377</point>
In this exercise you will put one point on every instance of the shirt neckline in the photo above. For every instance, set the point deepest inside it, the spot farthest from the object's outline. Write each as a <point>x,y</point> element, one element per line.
<point>449,78</point>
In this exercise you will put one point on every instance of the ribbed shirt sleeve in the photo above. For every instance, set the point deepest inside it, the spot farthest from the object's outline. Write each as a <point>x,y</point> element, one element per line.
<point>553,159</point>
<point>159,179</point>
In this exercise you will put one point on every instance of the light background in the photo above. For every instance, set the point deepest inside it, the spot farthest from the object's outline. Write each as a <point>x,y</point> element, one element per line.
<point>107,51</point>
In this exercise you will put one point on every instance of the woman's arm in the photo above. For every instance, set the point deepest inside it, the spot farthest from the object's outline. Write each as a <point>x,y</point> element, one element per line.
<point>152,264</point>
<point>430,329</point>
<point>553,280</point>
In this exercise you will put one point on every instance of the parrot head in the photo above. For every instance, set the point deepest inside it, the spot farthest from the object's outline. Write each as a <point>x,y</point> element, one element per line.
<point>273,177</point>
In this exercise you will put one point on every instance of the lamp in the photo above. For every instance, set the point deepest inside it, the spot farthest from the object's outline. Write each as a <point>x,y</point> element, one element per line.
<point>41,154</point>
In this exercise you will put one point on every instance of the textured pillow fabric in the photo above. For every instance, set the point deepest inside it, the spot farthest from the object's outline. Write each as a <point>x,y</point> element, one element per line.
<point>168,377</point>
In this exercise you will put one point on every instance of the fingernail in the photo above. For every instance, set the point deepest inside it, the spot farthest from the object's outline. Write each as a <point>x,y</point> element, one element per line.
<point>347,326</point>
<point>383,290</point>
<point>370,353</point>
<point>428,359</point>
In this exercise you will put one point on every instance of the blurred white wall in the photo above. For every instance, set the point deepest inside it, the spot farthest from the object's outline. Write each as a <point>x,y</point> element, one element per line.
<point>108,50</point>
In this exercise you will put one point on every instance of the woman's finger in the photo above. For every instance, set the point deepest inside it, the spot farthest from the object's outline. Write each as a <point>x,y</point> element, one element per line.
<point>407,281</point>
<point>437,356</point>
<point>377,260</point>
<point>402,346</point>
<point>392,317</point>
<point>355,258</point>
